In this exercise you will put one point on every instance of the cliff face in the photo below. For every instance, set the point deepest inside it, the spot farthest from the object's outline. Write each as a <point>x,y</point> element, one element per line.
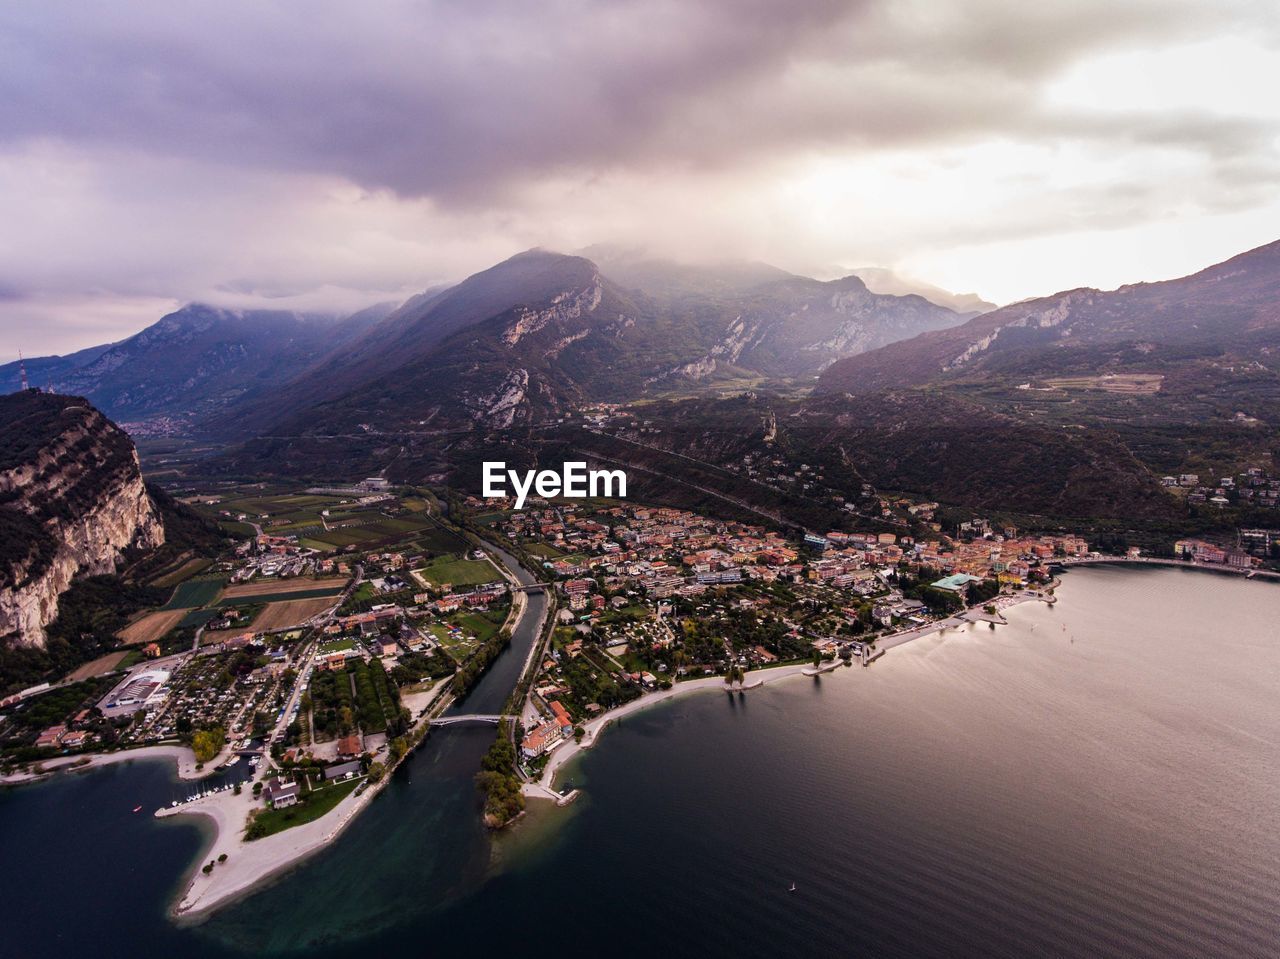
<point>72,500</point>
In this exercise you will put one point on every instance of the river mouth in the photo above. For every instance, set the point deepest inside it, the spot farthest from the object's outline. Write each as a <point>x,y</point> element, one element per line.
<point>1095,778</point>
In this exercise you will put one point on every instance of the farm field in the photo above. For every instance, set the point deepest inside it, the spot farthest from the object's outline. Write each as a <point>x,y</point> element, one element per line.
<point>98,667</point>
<point>460,572</point>
<point>152,626</point>
<point>271,586</point>
<point>279,615</point>
<point>188,569</point>
<point>196,618</point>
<point>1134,383</point>
<point>195,592</point>
<point>330,594</point>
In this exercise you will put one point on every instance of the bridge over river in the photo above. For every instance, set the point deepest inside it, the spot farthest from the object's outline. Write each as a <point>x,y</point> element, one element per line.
<point>465,718</point>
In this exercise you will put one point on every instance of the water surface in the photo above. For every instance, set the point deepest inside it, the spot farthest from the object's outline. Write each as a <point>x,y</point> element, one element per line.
<point>1096,778</point>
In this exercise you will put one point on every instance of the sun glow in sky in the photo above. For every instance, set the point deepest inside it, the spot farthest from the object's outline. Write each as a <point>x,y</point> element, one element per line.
<point>327,156</point>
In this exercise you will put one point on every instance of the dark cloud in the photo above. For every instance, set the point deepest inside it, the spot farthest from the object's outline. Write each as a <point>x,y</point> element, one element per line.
<point>455,101</point>
<point>333,154</point>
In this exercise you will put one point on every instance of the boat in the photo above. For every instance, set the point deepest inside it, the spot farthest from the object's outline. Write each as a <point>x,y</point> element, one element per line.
<point>793,888</point>
<point>137,809</point>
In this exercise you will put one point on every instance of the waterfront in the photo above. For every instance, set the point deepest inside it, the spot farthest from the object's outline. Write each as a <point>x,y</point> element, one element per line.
<point>1107,788</point>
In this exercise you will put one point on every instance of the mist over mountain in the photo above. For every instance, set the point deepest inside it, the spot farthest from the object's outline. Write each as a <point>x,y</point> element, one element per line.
<point>516,343</point>
<point>881,280</point>
<point>529,339</point>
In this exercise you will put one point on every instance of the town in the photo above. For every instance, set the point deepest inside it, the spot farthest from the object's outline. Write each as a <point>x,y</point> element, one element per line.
<point>321,645</point>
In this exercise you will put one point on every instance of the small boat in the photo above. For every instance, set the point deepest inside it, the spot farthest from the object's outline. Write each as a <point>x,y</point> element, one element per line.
<point>137,809</point>
<point>793,888</point>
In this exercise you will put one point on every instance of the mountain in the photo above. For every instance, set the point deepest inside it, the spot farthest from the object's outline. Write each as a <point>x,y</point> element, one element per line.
<point>44,370</point>
<point>1225,316</point>
<point>519,345</point>
<point>789,455</point>
<point>195,360</point>
<point>72,502</point>
<point>881,280</point>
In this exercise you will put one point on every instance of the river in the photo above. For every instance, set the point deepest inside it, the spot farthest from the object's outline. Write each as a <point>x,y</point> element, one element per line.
<point>1096,778</point>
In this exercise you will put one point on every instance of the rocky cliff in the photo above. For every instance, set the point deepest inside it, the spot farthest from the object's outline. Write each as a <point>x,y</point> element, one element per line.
<point>72,502</point>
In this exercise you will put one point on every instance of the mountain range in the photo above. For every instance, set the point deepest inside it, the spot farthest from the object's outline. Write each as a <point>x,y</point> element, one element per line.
<point>1066,405</point>
<point>518,342</point>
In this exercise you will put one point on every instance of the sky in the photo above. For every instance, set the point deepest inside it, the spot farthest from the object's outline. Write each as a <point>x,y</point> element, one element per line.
<point>328,155</point>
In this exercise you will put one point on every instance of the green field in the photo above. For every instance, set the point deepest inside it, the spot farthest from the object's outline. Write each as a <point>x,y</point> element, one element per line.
<point>194,592</point>
<point>545,550</point>
<point>197,617</point>
<point>483,625</point>
<point>460,572</point>
<point>438,540</point>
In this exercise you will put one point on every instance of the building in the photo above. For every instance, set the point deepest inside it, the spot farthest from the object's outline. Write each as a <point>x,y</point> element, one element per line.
<point>349,747</point>
<point>541,739</point>
<point>342,770</point>
<point>281,795</point>
<point>958,583</point>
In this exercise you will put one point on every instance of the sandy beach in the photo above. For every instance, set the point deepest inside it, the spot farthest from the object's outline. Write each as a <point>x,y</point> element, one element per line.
<point>182,756</point>
<point>250,864</point>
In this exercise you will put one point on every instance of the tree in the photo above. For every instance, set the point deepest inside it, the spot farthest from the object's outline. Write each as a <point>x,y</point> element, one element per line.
<point>207,743</point>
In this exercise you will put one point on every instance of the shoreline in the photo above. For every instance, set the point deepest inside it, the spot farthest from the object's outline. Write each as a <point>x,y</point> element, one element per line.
<point>250,865</point>
<point>183,758</point>
<point>545,783</point>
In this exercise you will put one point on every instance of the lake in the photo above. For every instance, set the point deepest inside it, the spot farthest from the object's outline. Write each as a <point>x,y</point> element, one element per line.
<point>1096,778</point>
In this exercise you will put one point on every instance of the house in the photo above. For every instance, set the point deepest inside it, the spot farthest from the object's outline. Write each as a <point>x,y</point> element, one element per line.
<point>342,770</point>
<point>349,747</point>
<point>51,736</point>
<point>561,717</point>
<point>281,795</point>
<point>541,739</point>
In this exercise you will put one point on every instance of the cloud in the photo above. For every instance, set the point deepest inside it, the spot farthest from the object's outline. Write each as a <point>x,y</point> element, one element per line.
<point>334,152</point>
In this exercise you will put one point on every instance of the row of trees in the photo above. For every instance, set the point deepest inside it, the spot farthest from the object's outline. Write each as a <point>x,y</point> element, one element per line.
<point>469,674</point>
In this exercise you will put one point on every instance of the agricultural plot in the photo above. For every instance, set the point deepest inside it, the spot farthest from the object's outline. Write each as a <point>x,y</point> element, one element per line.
<point>293,612</point>
<point>152,626</point>
<point>188,569</point>
<point>98,667</point>
<point>302,584</point>
<point>197,618</point>
<point>195,592</point>
<point>436,539</point>
<point>329,594</point>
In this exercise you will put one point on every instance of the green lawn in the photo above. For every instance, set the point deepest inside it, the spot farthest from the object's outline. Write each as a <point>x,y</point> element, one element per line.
<point>460,572</point>
<point>483,625</point>
<point>311,806</point>
<point>545,550</point>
